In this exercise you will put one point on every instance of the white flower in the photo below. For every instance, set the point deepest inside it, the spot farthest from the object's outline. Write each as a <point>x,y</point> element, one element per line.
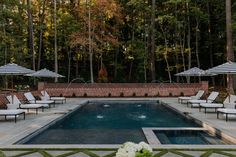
<point>129,149</point>
<point>145,146</point>
<point>138,147</point>
<point>122,153</point>
<point>131,154</point>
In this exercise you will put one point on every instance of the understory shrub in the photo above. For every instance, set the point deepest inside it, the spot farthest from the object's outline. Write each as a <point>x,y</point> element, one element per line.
<point>121,94</point>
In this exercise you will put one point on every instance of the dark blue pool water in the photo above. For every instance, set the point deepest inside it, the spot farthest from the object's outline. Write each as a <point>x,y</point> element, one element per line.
<point>110,122</point>
<point>197,137</point>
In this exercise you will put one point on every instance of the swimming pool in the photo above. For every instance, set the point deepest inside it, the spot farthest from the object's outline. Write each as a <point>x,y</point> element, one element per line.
<point>109,122</point>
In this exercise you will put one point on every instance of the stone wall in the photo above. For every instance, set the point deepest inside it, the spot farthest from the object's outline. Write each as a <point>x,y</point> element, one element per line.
<point>122,89</point>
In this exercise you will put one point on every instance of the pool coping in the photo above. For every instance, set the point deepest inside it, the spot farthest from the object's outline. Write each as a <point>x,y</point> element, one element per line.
<point>112,146</point>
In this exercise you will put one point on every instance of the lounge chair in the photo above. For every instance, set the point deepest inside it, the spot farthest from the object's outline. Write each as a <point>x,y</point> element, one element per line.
<point>12,112</point>
<point>20,105</point>
<point>230,110</point>
<point>228,101</point>
<point>210,99</point>
<point>46,96</point>
<point>195,97</point>
<point>29,96</point>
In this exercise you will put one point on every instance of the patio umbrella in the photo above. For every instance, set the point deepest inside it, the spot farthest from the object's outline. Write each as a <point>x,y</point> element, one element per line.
<point>192,72</point>
<point>45,73</point>
<point>14,69</point>
<point>226,68</point>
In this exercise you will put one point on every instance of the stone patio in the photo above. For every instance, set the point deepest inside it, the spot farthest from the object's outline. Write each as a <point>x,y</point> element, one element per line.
<point>11,132</point>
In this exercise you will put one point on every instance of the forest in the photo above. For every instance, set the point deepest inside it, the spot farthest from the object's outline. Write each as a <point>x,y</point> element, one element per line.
<point>136,41</point>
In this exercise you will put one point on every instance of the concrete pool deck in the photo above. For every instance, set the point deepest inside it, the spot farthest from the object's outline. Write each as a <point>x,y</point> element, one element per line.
<point>11,132</point>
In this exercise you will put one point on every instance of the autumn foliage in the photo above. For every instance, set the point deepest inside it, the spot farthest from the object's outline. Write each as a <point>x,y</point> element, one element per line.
<point>105,16</point>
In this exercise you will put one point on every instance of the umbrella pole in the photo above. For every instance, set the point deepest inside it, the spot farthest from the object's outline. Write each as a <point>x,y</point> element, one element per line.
<point>12,90</point>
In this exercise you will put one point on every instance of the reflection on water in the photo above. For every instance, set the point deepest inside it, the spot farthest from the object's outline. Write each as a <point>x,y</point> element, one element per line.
<point>100,116</point>
<point>142,116</point>
<point>106,105</point>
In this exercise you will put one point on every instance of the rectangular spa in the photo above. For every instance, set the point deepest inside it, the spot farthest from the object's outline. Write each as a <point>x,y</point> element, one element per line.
<point>109,122</point>
<point>179,136</point>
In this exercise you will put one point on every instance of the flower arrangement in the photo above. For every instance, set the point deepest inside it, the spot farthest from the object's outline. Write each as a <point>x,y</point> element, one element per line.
<point>22,87</point>
<point>130,149</point>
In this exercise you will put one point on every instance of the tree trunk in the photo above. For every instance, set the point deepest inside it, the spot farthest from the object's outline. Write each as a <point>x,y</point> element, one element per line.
<point>197,44</point>
<point>69,64</point>
<point>210,40</point>
<point>55,39</point>
<point>131,63</point>
<point>189,42</point>
<point>153,56</point>
<point>145,56</point>
<point>229,47</point>
<point>166,53</point>
<point>175,42</point>
<point>90,44</point>
<point>5,56</point>
<point>31,33</point>
<point>41,34</point>
<point>115,68</point>
<point>181,40</point>
<point>167,62</point>
<point>182,47</point>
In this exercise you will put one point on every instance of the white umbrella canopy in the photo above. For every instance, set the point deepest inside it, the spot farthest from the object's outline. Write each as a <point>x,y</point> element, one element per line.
<point>14,69</point>
<point>226,68</point>
<point>193,72</point>
<point>45,73</point>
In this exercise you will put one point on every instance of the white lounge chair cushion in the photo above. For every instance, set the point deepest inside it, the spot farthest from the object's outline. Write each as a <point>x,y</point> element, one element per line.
<point>32,106</point>
<point>42,101</point>
<point>231,112</point>
<point>197,101</point>
<point>11,112</point>
<point>57,98</point>
<point>227,110</point>
<point>184,98</point>
<point>211,105</point>
<point>195,105</point>
<point>53,98</point>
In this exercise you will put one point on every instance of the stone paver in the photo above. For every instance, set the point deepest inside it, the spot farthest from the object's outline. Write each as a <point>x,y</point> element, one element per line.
<point>217,155</point>
<point>80,154</point>
<point>56,153</point>
<point>170,155</point>
<point>193,153</point>
<point>231,152</point>
<point>34,155</point>
<point>13,153</point>
<point>102,153</point>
